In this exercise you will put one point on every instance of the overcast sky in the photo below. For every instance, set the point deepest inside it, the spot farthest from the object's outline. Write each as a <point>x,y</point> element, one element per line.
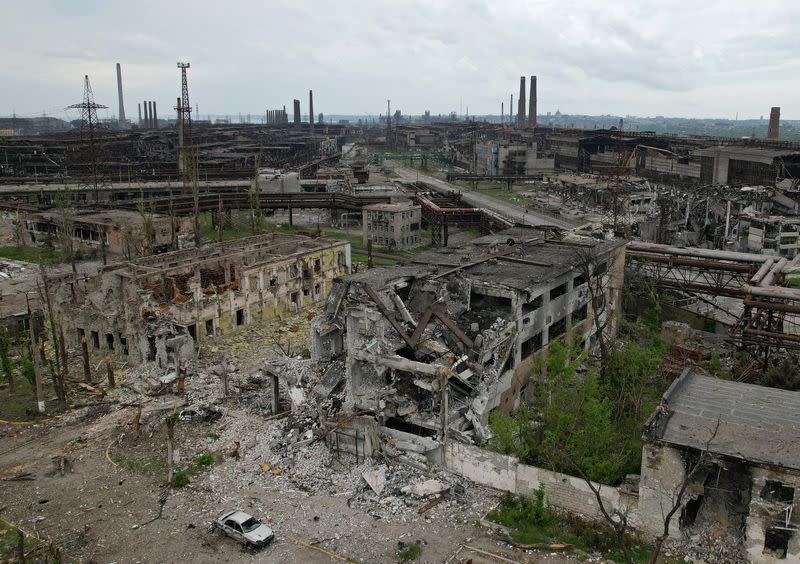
<point>699,58</point>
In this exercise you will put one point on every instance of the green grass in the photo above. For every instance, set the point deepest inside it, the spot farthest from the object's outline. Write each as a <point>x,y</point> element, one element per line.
<point>531,523</point>
<point>409,552</point>
<point>201,463</point>
<point>19,405</point>
<point>35,255</point>
<point>35,550</point>
<point>358,258</point>
<point>140,466</point>
<point>212,435</point>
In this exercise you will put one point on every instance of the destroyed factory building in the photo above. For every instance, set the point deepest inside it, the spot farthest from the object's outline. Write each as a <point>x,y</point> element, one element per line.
<point>735,446</point>
<point>443,340</point>
<point>157,308</point>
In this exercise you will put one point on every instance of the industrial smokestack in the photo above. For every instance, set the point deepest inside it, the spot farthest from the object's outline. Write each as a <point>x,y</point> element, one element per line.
<point>511,111</point>
<point>502,112</point>
<point>297,113</point>
<point>150,109</point>
<point>155,115</point>
<point>532,104</point>
<point>146,115</point>
<point>140,115</point>
<point>311,109</point>
<point>521,103</point>
<point>774,123</point>
<point>121,116</point>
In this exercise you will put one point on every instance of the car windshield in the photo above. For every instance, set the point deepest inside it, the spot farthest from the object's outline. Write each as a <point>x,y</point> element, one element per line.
<point>250,525</point>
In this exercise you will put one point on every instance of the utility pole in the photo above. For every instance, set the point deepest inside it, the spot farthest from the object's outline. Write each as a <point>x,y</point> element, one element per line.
<point>184,109</point>
<point>90,127</point>
<point>388,121</point>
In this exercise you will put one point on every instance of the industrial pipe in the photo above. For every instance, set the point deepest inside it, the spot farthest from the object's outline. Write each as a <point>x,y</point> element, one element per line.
<point>769,279</point>
<point>762,271</point>
<point>778,292</point>
<point>697,252</point>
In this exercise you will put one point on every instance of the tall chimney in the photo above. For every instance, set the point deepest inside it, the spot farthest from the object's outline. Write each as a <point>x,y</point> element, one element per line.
<point>140,115</point>
<point>311,109</point>
<point>521,102</point>
<point>774,123</point>
<point>155,115</point>
<point>121,115</point>
<point>502,112</point>
<point>297,114</point>
<point>532,104</point>
<point>146,115</point>
<point>511,112</point>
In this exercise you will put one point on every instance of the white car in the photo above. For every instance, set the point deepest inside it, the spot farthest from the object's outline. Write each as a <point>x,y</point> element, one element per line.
<point>245,528</point>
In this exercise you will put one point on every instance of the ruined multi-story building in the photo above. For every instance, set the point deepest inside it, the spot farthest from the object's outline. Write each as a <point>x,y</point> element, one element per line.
<point>153,308</point>
<point>734,448</point>
<point>393,226</point>
<point>117,233</point>
<point>504,158</point>
<point>446,339</point>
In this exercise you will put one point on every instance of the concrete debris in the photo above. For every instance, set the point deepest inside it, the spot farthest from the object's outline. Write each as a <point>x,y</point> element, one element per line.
<point>426,488</point>
<point>376,479</point>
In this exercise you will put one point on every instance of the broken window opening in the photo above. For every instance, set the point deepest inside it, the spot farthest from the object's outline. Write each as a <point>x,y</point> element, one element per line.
<point>689,512</point>
<point>151,347</point>
<point>776,542</point>
<point>776,491</point>
<point>317,265</point>
<point>580,314</point>
<point>295,298</point>
<point>239,317</point>
<point>532,305</point>
<point>123,344</point>
<point>495,306</point>
<point>578,280</point>
<point>209,327</point>
<point>601,269</point>
<point>192,331</point>
<point>402,425</point>
<point>96,339</point>
<point>81,334</point>
<point>531,345</point>
<point>110,341</point>
<point>558,291</point>
<point>557,329</point>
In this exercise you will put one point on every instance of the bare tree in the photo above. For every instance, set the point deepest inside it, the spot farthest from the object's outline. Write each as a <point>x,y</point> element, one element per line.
<point>169,424</point>
<point>255,196</point>
<point>18,231</point>
<point>594,272</point>
<point>59,374</point>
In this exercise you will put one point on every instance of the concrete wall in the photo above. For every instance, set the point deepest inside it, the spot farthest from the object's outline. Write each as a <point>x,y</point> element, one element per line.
<point>563,492</point>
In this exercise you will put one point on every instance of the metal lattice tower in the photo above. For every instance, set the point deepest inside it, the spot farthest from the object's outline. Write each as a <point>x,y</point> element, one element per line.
<point>188,160</point>
<point>90,132</point>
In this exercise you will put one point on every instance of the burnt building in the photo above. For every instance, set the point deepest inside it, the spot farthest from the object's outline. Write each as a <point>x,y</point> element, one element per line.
<point>734,446</point>
<point>155,309</point>
<point>441,342</point>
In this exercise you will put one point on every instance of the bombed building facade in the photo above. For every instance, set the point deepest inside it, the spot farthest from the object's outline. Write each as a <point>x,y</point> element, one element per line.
<point>442,341</point>
<point>117,233</point>
<point>154,309</point>
<point>734,445</point>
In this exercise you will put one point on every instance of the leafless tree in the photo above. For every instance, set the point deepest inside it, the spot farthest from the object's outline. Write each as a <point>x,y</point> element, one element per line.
<point>59,373</point>
<point>594,270</point>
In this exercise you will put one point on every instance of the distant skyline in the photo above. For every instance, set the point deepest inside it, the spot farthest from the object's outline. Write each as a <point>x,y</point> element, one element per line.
<point>710,59</point>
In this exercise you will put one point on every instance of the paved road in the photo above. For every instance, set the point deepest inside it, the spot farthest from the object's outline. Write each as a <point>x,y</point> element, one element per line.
<point>510,211</point>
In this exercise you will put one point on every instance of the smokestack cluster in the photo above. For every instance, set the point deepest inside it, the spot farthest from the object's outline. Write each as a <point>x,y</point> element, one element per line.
<point>275,117</point>
<point>121,114</point>
<point>521,104</point>
<point>532,104</point>
<point>773,132</point>
<point>150,120</point>
<point>297,114</point>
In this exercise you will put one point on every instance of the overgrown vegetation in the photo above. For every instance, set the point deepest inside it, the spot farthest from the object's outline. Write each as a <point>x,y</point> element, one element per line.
<point>201,463</point>
<point>532,523</point>
<point>409,552</point>
<point>580,423</point>
<point>16,547</point>
<point>37,255</point>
